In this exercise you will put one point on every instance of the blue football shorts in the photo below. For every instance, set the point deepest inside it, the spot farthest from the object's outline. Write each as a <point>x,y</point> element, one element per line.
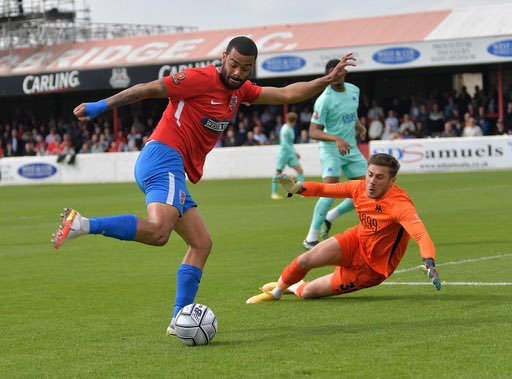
<point>160,174</point>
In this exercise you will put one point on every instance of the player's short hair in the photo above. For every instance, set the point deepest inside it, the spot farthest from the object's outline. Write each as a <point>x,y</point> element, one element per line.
<point>385,160</point>
<point>331,64</point>
<point>244,46</point>
<point>291,117</point>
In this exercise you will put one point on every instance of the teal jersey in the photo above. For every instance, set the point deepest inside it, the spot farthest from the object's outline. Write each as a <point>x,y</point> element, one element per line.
<point>286,138</point>
<point>337,113</point>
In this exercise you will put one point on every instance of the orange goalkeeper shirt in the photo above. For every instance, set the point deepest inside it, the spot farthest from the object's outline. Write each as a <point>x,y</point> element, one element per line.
<point>386,224</point>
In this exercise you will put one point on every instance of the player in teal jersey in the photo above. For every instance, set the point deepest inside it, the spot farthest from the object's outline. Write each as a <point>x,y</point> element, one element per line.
<point>286,155</point>
<point>335,124</point>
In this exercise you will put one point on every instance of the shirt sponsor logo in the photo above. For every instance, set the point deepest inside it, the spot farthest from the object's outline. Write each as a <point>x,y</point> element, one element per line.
<point>396,55</point>
<point>50,82</point>
<point>37,170</point>
<point>501,48</point>
<point>284,63</point>
<point>214,125</point>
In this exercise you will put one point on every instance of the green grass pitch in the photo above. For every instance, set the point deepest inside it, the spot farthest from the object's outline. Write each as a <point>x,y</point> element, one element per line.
<point>99,307</point>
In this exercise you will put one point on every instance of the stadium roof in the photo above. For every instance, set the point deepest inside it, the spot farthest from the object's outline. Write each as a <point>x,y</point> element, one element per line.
<point>321,38</point>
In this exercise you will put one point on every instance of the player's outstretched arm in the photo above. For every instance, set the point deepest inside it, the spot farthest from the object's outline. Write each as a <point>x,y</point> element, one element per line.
<point>429,268</point>
<point>413,225</point>
<point>154,89</point>
<point>297,92</point>
<point>312,189</point>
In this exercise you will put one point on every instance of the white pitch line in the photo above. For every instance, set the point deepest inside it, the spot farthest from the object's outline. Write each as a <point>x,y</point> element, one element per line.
<point>457,262</point>
<point>448,284</point>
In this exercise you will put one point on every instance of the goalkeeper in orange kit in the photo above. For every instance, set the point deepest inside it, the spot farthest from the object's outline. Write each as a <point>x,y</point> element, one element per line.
<point>366,254</point>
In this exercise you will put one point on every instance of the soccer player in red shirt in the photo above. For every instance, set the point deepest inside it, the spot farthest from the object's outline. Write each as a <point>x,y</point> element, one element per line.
<point>202,102</point>
<point>367,254</point>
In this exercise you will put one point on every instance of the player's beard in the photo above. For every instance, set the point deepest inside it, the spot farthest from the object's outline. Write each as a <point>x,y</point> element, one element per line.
<point>224,79</point>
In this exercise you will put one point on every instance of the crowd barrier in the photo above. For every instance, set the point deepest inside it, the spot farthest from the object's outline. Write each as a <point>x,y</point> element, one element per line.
<point>425,155</point>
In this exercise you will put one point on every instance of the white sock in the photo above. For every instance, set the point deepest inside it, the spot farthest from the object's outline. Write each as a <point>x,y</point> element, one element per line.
<point>85,225</point>
<point>277,293</point>
<point>293,288</point>
<point>332,215</point>
<point>312,235</point>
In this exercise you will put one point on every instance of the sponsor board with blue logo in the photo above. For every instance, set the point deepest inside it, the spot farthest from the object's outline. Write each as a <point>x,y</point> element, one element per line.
<point>501,48</point>
<point>396,55</point>
<point>37,170</point>
<point>284,63</point>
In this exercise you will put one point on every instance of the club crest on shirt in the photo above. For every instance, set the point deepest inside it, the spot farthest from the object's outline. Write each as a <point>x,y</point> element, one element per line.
<point>177,78</point>
<point>233,102</point>
<point>316,115</point>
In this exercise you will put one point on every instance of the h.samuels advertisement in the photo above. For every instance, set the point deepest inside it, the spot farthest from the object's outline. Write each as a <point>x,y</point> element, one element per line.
<point>449,154</point>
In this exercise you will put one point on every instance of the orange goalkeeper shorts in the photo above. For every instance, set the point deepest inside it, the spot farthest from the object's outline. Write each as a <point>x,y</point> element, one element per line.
<point>354,273</point>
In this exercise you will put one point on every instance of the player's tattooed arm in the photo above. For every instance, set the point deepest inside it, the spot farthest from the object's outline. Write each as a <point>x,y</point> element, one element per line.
<point>154,89</point>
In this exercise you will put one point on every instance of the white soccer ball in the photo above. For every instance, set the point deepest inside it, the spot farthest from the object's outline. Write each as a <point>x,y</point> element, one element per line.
<point>196,324</point>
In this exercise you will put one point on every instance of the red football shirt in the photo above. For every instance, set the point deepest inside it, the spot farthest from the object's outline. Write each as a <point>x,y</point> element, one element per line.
<point>200,108</point>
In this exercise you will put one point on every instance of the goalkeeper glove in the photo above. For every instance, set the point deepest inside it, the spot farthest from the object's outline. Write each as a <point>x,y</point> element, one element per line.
<point>429,268</point>
<point>289,184</point>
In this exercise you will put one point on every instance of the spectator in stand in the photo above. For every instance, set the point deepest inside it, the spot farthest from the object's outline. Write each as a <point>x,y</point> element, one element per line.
<point>95,146</point>
<point>305,120</point>
<point>463,100</point>
<point>272,139</point>
<point>52,137</point>
<point>230,138</point>
<point>29,149</point>
<point>376,129</point>
<point>388,133</point>
<point>450,108</point>
<point>508,117</point>
<point>500,128</point>
<point>108,136</point>
<point>391,123</point>
<point>265,118</point>
<point>250,139</point>
<point>457,127</point>
<point>304,136</point>
<point>134,139</point>
<point>414,110</point>
<point>471,129</point>
<point>376,111</point>
<point>420,131</point>
<point>407,124</point>
<point>259,134</point>
<point>8,150</point>
<point>16,143</point>
<point>482,121</point>
<point>436,119</point>
<point>448,130</point>
<point>85,149</point>
<point>243,128</point>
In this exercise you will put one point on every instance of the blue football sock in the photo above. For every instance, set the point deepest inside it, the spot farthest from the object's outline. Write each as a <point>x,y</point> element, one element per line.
<point>188,278</point>
<point>300,177</point>
<point>322,207</point>
<point>345,206</point>
<point>121,227</point>
<point>274,188</point>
